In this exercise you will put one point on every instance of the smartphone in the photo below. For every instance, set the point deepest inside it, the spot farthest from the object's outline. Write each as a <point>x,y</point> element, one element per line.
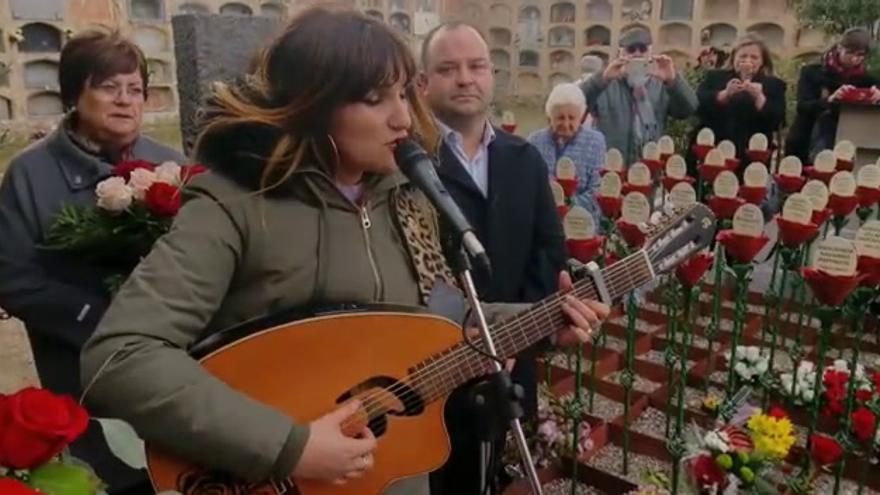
<point>638,69</point>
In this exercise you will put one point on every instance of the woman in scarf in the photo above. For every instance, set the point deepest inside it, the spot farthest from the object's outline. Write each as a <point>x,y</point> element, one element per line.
<point>820,88</point>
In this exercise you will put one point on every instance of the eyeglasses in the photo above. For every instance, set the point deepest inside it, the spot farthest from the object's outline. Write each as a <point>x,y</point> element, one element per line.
<point>113,91</point>
<point>637,48</point>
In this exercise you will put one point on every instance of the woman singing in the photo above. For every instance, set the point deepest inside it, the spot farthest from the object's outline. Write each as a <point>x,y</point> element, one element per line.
<point>305,205</point>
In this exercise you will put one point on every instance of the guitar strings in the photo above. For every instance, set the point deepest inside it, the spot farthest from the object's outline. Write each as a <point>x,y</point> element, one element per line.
<point>373,403</point>
<point>450,361</point>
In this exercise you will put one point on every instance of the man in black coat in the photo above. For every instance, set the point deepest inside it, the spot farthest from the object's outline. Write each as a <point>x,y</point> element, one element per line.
<point>500,182</point>
<point>820,88</point>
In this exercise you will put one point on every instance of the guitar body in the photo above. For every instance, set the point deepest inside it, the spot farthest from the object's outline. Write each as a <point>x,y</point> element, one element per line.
<point>307,369</point>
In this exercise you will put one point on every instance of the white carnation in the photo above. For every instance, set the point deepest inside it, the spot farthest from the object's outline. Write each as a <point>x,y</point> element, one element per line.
<point>168,172</point>
<point>752,353</point>
<point>717,441</point>
<point>141,180</point>
<point>113,194</point>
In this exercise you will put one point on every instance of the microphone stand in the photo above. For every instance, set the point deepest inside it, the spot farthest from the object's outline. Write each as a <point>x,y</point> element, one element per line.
<point>496,399</point>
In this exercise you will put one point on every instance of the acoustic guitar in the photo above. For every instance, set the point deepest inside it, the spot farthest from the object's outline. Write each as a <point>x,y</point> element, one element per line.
<point>400,362</point>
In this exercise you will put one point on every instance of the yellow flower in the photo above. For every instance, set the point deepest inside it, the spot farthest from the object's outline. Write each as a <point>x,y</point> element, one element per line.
<point>711,402</point>
<point>773,437</point>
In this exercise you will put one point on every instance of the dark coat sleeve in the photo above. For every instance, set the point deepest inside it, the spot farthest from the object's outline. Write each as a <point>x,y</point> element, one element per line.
<point>548,246</point>
<point>46,305</point>
<point>707,93</point>
<point>810,101</point>
<point>773,112</point>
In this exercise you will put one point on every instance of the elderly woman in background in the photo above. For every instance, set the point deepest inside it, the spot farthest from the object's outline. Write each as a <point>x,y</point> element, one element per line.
<point>746,99</point>
<point>566,136</point>
<point>820,89</point>
<point>103,79</point>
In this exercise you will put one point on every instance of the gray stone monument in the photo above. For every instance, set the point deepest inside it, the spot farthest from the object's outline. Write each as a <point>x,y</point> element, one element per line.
<point>211,48</point>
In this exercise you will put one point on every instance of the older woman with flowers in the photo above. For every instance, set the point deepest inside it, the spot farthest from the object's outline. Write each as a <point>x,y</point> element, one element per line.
<point>566,136</point>
<point>103,79</point>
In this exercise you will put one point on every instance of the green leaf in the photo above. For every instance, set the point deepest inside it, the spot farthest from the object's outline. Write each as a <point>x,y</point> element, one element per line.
<point>57,478</point>
<point>124,443</point>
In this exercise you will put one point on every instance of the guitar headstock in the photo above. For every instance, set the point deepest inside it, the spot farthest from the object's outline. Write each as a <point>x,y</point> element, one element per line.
<point>678,234</point>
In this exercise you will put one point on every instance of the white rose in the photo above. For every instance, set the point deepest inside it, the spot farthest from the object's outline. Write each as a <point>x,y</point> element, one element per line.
<point>113,195</point>
<point>762,365</point>
<point>841,365</point>
<point>753,353</point>
<point>808,395</point>
<point>141,180</point>
<point>742,370</point>
<point>168,172</point>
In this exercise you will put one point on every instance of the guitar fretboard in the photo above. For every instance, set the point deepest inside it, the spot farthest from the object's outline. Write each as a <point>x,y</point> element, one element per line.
<point>438,375</point>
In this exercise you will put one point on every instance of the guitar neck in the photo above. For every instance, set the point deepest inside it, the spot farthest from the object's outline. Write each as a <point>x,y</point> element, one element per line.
<point>442,373</point>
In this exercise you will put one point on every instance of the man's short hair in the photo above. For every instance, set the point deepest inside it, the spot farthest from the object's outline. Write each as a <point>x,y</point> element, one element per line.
<point>449,25</point>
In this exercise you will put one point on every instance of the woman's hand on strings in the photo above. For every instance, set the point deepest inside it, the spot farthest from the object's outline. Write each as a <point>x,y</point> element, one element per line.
<point>330,454</point>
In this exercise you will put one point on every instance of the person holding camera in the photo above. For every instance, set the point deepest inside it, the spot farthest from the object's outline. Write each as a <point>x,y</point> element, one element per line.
<point>822,86</point>
<point>746,99</point>
<point>635,95</point>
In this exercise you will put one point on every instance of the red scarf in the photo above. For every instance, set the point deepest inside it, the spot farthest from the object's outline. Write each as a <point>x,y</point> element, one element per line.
<point>832,62</point>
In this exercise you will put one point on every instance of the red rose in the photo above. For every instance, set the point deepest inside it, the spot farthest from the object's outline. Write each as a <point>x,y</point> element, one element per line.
<point>789,184</point>
<point>863,395</point>
<point>163,199</point>
<point>869,269</point>
<point>868,196</point>
<point>742,248</point>
<point>724,208</point>
<point>731,164</point>
<point>824,450</point>
<point>35,425</point>
<point>762,156</point>
<point>793,234</point>
<point>632,234</point>
<point>830,290</point>
<point>753,195</point>
<point>610,206</point>
<point>670,182</point>
<point>562,210</point>
<point>842,206</point>
<point>187,172</point>
<point>691,271</point>
<point>653,165</point>
<point>707,474</point>
<point>584,250</point>
<point>611,258</point>
<point>709,172</point>
<point>822,176</point>
<point>10,486</point>
<point>876,379</point>
<point>628,188</point>
<point>701,150</point>
<point>821,216</point>
<point>845,165</point>
<point>863,423</point>
<point>569,186</point>
<point>777,412</point>
<point>124,169</point>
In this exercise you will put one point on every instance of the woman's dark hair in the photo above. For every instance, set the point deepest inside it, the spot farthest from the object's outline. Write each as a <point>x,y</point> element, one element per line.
<point>856,40</point>
<point>93,56</point>
<point>324,58</point>
<point>754,39</point>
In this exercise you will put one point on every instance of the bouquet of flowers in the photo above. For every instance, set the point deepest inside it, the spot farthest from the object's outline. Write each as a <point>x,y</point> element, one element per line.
<point>134,207</point>
<point>740,454</point>
<point>750,363</point>
<point>36,426</point>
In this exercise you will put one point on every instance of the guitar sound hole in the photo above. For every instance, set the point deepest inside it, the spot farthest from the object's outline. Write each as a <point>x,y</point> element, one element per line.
<point>384,395</point>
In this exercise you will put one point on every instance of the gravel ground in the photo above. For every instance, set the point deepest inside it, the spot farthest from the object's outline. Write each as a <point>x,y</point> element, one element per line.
<point>693,397</point>
<point>658,357</point>
<point>640,384</point>
<point>610,459</point>
<point>603,407</point>
<point>563,487</point>
<point>651,422</point>
<point>825,484</point>
<point>868,359</point>
<point>641,325</point>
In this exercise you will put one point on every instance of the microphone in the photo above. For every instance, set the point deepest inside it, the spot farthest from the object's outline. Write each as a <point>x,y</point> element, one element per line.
<point>415,163</point>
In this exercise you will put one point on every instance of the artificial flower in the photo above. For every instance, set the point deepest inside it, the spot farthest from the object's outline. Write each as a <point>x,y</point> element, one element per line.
<point>691,271</point>
<point>753,195</point>
<point>610,206</point>
<point>830,290</point>
<point>842,206</point>
<point>585,250</point>
<point>632,234</point>
<point>825,450</point>
<point>741,248</point>
<point>724,208</point>
<point>790,184</point>
<point>793,234</point>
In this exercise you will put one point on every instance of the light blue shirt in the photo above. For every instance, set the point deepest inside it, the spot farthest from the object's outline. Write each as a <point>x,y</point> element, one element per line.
<point>478,166</point>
